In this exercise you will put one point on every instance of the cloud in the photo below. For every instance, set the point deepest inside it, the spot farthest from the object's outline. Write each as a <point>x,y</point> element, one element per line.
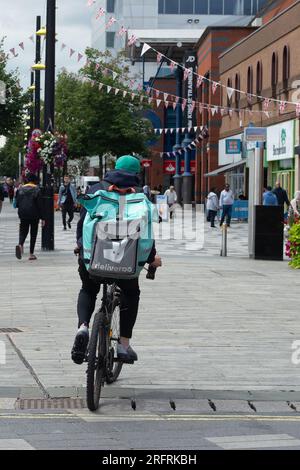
<point>17,23</point>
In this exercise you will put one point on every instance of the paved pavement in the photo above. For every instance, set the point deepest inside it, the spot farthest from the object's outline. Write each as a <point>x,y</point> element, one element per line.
<point>211,332</point>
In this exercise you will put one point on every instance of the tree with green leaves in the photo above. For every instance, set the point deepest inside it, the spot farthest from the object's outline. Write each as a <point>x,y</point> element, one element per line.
<point>9,154</point>
<point>11,97</point>
<point>97,122</point>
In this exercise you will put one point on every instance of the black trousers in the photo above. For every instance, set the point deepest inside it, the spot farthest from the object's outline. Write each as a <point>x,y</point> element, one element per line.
<point>211,217</point>
<point>67,209</point>
<point>130,297</point>
<point>25,225</point>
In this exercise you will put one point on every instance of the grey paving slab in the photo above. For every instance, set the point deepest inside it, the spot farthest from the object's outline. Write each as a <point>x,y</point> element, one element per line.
<point>206,323</point>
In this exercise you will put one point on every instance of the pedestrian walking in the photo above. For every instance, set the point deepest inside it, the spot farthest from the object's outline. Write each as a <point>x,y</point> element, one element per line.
<point>212,207</point>
<point>1,197</point>
<point>30,211</point>
<point>11,190</point>
<point>171,199</point>
<point>154,192</point>
<point>67,201</point>
<point>295,206</point>
<point>281,195</point>
<point>269,198</point>
<point>226,203</point>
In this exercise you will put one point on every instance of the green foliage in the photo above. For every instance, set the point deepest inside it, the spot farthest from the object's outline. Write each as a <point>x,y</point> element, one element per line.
<point>294,239</point>
<point>98,123</point>
<point>10,112</point>
<point>9,154</point>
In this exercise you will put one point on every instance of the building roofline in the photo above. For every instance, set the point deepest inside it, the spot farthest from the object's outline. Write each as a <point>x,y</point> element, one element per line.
<point>258,29</point>
<point>210,29</point>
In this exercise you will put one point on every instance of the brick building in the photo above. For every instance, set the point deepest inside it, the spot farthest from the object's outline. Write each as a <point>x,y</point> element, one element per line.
<point>213,42</point>
<point>267,64</point>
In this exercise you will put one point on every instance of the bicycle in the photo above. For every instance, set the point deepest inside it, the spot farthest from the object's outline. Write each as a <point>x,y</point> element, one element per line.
<point>102,362</point>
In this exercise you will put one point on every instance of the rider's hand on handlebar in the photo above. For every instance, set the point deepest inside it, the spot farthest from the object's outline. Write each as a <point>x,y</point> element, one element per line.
<point>157,263</point>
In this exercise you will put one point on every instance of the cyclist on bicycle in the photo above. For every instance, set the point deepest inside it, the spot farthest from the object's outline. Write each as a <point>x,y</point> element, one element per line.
<point>125,175</point>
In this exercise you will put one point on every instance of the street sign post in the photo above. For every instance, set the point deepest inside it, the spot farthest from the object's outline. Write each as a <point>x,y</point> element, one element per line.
<point>255,134</point>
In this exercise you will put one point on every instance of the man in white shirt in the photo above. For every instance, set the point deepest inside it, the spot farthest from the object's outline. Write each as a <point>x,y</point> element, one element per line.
<point>226,202</point>
<point>172,199</point>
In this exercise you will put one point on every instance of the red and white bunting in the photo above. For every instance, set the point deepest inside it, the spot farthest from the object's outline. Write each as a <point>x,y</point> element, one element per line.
<point>100,13</point>
<point>166,131</point>
<point>172,66</point>
<point>132,40</point>
<point>183,129</point>
<point>214,110</point>
<point>166,96</point>
<point>184,103</point>
<point>249,98</point>
<point>108,88</point>
<point>297,109</point>
<point>31,38</point>
<point>159,57</point>
<point>63,46</point>
<point>160,131</point>
<point>90,3</point>
<point>186,74</point>
<point>230,113</point>
<point>114,74</point>
<point>177,99</point>
<point>158,102</point>
<point>124,94</point>
<point>122,31</point>
<point>21,45</point>
<point>116,91</point>
<point>201,108</point>
<point>110,22</point>
<point>174,105</point>
<point>199,81</point>
<point>193,105</point>
<point>13,51</point>
<point>214,87</point>
<point>267,114</point>
<point>166,104</point>
<point>266,104</point>
<point>132,96</point>
<point>72,52</point>
<point>172,130</point>
<point>282,106</point>
<point>79,57</point>
<point>157,92</point>
<point>222,111</point>
<point>150,99</point>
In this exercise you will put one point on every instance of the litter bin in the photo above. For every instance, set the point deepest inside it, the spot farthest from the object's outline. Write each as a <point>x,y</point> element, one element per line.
<point>268,233</point>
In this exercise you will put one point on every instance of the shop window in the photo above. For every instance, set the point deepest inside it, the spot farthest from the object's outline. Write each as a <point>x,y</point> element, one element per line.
<point>248,7</point>
<point>233,7</point>
<point>286,66</point>
<point>161,6</point>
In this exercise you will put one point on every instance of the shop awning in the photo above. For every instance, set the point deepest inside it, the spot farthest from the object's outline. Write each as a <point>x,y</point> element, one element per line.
<point>226,168</point>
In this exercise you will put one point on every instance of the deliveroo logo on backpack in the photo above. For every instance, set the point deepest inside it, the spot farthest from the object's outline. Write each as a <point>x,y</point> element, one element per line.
<point>117,252</point>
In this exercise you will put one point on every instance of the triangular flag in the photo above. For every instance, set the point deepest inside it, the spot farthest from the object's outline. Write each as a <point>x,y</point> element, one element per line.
<point>159,57</point>
<point>117,91</point>
<point>214,87</point>
<point>195,128</point>
<point>150,100</point>
<point>166,104</point>
<point>21,45</point>
<point>132,96</point>
<point>71,52</point>
<point>80,56</point>
<point>63,46</point>
<point>199,81</point>
<point>183,129</point>
<point>100,86</point>
<point>157,92</point>
<point>230,92</point>
<point>109,89</point>
<point>172,66</point>
<point>186,74</point>
<point>160,131</point>
<point>146,48</point>
<point>114,75</point>
<point>166,130</point>
<point>166,96</point>
<point>183,105</point>
<point>174,105</point>
<point>158,103</point>
<point>141,98</point>
<point>124,94</point>
<point>172,130</point>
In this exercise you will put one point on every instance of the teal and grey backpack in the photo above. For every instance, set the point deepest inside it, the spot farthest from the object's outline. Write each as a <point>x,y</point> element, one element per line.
<point>117,232</point>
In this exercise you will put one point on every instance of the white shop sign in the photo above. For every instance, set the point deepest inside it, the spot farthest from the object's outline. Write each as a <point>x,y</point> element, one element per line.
<point>280,141</point>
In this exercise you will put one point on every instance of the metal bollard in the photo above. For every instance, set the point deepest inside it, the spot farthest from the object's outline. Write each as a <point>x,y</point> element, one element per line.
<point>224,240</point>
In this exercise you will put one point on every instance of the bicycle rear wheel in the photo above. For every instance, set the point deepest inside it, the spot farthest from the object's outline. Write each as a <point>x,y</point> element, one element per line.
<point>114,368</point>
<point>96,370</point>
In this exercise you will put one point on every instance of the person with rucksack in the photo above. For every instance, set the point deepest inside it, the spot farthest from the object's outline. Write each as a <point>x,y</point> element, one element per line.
<point>67,201</point>
<point>28,201</point>
<point>118,201</point>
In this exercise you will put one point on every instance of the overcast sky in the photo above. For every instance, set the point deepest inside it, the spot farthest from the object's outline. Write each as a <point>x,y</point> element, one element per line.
<point>17,23</point>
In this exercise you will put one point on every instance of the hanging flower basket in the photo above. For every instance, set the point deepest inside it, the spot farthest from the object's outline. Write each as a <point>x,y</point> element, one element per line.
<point>46,148</point>
<point>292,247</point>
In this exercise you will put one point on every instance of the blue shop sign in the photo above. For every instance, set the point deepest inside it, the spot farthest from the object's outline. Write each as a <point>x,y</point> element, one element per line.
<point>233,146</point>
<point>240,210</point>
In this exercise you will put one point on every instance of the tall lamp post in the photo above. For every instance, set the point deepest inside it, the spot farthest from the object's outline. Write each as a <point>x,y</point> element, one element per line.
<point>37,108</point>
<point>48,229</point>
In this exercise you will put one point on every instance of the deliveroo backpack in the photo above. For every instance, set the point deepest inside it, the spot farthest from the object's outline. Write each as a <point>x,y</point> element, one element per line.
<point>117,233</point>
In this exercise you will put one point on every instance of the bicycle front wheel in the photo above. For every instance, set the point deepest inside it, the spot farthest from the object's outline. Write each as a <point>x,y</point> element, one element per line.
<point>96,369</point>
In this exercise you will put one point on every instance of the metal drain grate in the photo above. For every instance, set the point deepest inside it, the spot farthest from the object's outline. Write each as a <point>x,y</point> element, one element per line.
<point>10,330</point>
<point>50,404</point>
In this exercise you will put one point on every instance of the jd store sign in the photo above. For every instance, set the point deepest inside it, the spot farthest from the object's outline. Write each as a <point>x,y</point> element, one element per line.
<point>280,141</point>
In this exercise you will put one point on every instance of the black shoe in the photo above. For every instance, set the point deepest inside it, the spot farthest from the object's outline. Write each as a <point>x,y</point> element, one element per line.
<point>126,355</point>
<point>69,225</point>
<point>65,228</point>
<point>18,252</point>
<point>80,346</point>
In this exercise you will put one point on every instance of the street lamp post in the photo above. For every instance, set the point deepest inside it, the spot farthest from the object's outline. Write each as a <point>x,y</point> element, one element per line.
<point>37,112</point>
<point>48,229</point>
